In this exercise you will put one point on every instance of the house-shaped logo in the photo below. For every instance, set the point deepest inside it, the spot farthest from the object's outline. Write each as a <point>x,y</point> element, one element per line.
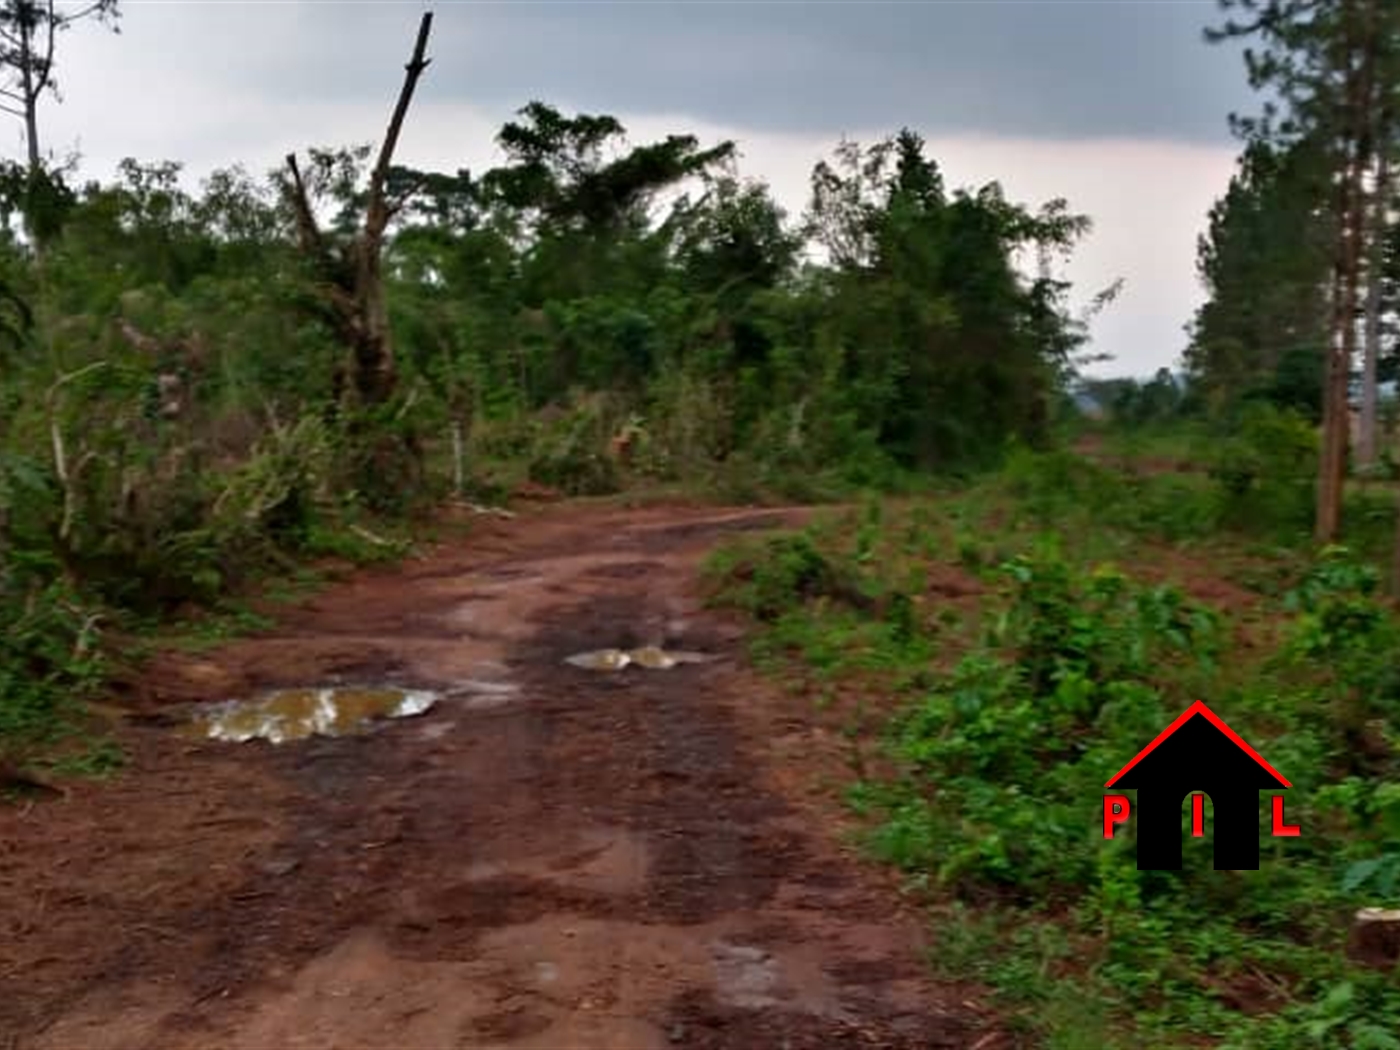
<point>1197,753</point>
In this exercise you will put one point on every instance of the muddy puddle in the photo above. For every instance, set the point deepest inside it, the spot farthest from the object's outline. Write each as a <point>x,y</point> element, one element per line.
<point>295,714</point>
<point>650,657</point>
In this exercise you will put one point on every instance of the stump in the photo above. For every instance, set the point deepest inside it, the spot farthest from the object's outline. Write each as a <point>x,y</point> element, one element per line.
<point>1375,938</point>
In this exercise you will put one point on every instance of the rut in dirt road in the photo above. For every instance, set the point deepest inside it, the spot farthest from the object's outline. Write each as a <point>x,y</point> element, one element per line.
<point>560,858</point>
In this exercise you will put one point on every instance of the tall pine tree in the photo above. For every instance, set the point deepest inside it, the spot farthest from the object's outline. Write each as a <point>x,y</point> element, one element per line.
<point>1264,261</point>
<point>1322,61</point>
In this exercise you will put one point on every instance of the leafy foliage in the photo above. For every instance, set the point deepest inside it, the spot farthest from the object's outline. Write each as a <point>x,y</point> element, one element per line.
<point>179,401</point>
<point>1265,264</point>
<point>1002,737</point>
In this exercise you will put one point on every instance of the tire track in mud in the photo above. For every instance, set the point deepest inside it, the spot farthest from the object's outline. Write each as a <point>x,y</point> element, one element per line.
<point>596,860</point>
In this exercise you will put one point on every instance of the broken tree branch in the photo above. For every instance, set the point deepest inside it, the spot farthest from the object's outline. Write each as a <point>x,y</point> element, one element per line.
<point>377,214</point>
<point>45,65</point>
<point>137,338</point>
<point>78,16</point>
<point>477,508</point>
<point>351,288</point>
<point>308,233</point>
<point>60,455</point>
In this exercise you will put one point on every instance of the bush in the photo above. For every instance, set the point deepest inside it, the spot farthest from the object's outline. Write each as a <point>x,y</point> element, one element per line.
<point>573,453</point>
<point>1052,484</point>
<point>48,658</point>
<point>775,576</point>
<point>1267,470</point>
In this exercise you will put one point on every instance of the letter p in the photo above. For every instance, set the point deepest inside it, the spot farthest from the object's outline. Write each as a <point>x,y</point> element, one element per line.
<point>1115,811</point>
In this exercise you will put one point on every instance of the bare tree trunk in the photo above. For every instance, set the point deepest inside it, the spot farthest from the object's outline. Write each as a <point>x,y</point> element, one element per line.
<point>27,18</point>
<point>1356,126</point>
<point>458,460</point>
<point>1333,459</point>
<point>1332,462</point>
<point>1367,447</point>
<point>30,91</point>
<point>375,352</point>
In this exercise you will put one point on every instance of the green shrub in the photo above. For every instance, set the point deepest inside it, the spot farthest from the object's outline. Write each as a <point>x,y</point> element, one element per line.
<point>1267,471</point>
<point>779,574</point>
<point>572,453</point>
<point>1003,751</point>
<point>575,471</point>
<point>49,658</point>
<point>1052,484</point>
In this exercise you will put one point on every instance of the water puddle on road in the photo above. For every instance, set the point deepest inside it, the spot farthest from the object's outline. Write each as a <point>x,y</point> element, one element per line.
<point>295,714</point>
<point>650,657</point>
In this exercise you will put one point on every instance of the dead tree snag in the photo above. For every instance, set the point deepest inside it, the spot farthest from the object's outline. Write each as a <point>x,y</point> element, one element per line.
<point>352,284</point>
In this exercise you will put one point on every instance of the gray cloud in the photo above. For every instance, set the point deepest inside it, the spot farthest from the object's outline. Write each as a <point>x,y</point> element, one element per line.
<point>1049,69</point>
<point>1118,106</point>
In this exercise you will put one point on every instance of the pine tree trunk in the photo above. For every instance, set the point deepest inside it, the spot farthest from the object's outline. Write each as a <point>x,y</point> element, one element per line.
<point>1332,462</point>
<point>1367,445</point>
<point>1356,127</point>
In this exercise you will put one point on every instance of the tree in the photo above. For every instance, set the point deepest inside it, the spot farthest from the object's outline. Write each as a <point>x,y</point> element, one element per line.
<point>583,199</point>
<point>1264,261</point>
<point>351,275</point>
<point>557,173</point>
<point>1378,233</point>
<point>28,32</point>
<point>1366,445</point>
<point>947,348</point>
<point>1322,59</point>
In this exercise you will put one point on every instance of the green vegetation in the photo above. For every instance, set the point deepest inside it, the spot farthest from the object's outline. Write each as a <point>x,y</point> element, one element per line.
<point>1002,714</point>
<point>186,416</point>
<point>206,391</point>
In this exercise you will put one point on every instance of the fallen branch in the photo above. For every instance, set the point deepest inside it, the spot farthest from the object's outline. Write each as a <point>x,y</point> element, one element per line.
<point>86,633</point>
<point>408,403</point>
<point>60,456</point>
<point>137,338</point>
<point>365,534</point>
<point>477,508</point>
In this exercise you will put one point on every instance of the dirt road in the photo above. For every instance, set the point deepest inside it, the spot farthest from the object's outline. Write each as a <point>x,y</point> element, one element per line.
<point>550,857</point>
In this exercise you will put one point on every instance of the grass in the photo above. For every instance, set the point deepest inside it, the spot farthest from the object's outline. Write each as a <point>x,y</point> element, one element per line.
<point>1018,639</point>
<point>99,757</point>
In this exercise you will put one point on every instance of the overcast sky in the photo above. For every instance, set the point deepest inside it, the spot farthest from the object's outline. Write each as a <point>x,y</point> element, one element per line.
<point>1116,105</point>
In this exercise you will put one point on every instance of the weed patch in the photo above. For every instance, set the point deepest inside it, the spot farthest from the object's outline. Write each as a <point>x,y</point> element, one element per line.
<point>999,757</point>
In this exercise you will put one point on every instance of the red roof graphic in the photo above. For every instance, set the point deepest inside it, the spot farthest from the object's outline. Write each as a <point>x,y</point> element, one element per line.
<point>1199,708</point>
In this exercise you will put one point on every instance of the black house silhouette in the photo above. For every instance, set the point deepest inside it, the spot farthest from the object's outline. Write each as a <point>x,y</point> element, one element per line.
<point>1198,752</point>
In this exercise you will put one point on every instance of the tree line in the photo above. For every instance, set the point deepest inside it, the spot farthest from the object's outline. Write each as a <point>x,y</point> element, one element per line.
<point>1302,257</point>
<point>197,384</point>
